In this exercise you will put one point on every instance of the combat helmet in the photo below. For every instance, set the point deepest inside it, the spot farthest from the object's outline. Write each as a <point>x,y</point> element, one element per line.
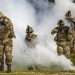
<point>2,23</point>
<point>60,22</point>
<point>29,29</point>
<point>68,14</point>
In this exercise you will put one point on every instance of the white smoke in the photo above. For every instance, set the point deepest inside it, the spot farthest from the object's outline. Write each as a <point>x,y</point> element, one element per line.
<point>44,55</point>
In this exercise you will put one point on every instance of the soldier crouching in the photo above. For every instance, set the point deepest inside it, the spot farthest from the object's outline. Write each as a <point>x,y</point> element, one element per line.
<point>6,42</point>
<point>62,38</point>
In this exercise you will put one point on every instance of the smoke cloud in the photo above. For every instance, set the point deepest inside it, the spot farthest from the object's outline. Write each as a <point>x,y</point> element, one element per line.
<point>42,16</point>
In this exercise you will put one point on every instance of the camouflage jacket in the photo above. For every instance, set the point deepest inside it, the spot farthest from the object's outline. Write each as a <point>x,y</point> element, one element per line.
<point>6,28</point>
<point>31,36</point>
<point>62,33</point>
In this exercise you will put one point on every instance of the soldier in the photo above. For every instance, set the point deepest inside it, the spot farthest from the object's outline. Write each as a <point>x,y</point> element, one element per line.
<point>6,35</point>
<point>31,42</point>
<point>30,34</point>
<point>62,38</point>
<point>71,20</point>
<point>68,14</point>
<point>30,37</point>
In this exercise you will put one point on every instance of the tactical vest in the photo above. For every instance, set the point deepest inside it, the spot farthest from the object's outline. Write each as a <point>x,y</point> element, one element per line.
<point>3,29</point>
<point>62,34</point>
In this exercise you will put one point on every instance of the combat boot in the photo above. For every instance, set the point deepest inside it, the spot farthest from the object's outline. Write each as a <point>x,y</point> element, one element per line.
<point>8,68</point>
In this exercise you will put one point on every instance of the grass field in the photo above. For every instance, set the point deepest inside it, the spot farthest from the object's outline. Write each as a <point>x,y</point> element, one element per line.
<point>39,73</point>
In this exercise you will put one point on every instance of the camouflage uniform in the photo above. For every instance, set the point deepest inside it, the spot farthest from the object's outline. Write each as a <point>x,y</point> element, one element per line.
<point>6,35</point>
<point>30,40</point>
<point>62,38</point>
<point>71,20</point>
<point>30,37</point>
<point>30,34</point>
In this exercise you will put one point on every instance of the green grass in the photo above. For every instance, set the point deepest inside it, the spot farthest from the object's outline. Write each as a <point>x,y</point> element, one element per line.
<point>39,73</point>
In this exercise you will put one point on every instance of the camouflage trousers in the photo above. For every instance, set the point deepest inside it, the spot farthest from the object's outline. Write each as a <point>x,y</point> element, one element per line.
<point>6,50</point>
<point>73,42</point>
<point>63,47</point>
<point>73,46</point>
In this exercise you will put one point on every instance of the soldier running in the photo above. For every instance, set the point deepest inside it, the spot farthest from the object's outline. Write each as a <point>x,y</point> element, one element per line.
<point>30,37</point>
<point>6,43</point>
<point>62,38</point>
<point>71,20</point>
<point>30,33</point>
<point>31,41</point>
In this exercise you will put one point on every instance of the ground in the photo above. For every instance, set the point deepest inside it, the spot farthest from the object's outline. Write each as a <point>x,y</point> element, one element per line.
<point>44,72</point>
<point>39,73</point>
